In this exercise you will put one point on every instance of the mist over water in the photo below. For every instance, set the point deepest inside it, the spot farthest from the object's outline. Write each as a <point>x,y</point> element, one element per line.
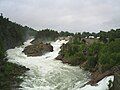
<point>46,73</point>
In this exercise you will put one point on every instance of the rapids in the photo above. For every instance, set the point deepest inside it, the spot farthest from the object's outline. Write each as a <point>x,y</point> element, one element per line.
<point>46,73</point>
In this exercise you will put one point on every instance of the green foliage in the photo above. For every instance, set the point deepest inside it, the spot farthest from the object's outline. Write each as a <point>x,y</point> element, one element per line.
<point>86,34</point>
<point>95,48</point>
<point>103,36</point>
<point>9,73</point>
<point>106,54</point>
<point>65,34</point>
<point>110,54</point>
<point>114,46</point>
<point>47,35</point>
<point>73,52</point>
<point>2,51</point>
<point>91,62</point>
<point>13,34</point>
<point>109,36</point>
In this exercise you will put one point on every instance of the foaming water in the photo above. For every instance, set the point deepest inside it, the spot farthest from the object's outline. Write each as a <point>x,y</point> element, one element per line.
<point>46,73</point>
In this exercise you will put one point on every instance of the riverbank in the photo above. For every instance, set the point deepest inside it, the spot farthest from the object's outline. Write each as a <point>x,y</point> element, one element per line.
<point>10,74</point>
<point>95,76</point>
<point>97,57</point>
<point>47,73</point>
<point>11,36</point>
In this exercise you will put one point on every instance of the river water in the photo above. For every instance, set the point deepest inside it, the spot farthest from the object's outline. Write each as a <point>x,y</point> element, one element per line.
<point>46,73</point>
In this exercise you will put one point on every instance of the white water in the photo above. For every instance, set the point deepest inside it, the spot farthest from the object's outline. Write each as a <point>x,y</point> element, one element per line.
<point>46,73</point>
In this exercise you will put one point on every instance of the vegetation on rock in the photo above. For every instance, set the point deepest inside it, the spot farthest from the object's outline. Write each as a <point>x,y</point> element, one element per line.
<point>9,75</point>
<point>99,56</point>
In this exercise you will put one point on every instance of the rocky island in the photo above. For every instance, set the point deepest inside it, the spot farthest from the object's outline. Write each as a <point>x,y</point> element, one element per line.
<point>38,49</point>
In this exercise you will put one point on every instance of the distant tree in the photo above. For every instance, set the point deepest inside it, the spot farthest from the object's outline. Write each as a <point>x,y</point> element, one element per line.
<point>103,36</point>
<point>94,34</point>
<point>114,46</point>
<point>47,35</point>
<point>65,33</point>
<point>86,34</point>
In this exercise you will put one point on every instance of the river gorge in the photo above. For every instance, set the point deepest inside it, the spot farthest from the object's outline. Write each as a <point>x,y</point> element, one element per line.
<point>46,73</point>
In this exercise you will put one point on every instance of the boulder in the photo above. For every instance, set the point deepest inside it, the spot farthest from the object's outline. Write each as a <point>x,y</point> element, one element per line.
<point>38,49</point>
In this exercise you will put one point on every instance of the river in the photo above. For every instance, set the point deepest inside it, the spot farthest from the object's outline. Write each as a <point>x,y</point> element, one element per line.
<point>46,73</point>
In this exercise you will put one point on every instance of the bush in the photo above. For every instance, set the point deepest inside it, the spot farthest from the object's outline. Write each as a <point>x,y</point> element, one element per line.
<point>91,61</point>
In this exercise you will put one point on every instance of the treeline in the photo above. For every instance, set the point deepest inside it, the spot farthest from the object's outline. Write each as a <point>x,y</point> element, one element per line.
<point>65,34</point>
<point>12,34</point>
<point>101,55</point>
<point>47,35</point>
<point>51,35</point>
<point>109,36</point>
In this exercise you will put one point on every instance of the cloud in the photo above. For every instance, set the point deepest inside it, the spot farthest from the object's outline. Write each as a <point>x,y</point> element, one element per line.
<point>71,15</point>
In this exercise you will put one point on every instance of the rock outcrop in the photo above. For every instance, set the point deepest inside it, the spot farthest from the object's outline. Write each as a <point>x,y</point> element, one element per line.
<point>38,49</point>
<point>97,76</point>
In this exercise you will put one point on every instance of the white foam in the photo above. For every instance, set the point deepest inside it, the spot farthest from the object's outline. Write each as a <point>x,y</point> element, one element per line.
<point>102,85</point>
<point>48,74</point>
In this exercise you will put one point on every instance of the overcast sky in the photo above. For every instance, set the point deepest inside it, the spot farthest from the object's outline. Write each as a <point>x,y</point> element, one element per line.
<point>66,15</point>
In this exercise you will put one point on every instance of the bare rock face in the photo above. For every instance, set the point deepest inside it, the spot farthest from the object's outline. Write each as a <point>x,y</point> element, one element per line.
<point>59,57</point>
<point>38,49</point>
<point>97,76</point>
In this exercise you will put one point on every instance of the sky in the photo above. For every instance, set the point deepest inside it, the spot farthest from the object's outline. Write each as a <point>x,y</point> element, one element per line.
<point>64,15</point>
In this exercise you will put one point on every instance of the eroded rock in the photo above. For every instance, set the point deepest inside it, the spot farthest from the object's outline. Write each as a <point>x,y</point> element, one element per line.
<point>38,49</point>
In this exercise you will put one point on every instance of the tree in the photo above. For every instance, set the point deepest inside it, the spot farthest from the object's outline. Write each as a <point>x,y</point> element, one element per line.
<point>86,34</point>
<point>2,51</point>
<point>114,46</point>
<point>103,36</point>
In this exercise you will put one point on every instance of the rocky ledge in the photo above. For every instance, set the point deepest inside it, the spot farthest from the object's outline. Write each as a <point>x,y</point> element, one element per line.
<point>9,75</point>
<point>38,49</point>
<point>97,75</point>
